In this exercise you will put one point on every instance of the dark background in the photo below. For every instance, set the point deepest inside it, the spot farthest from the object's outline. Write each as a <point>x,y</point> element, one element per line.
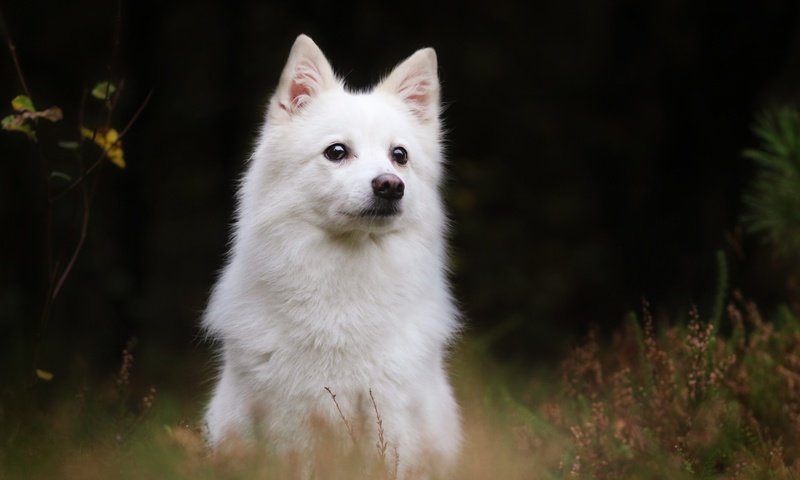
<point>594,150</point>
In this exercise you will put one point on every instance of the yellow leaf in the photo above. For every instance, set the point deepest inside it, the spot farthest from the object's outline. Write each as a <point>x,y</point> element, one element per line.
<point>112,136</point>
<point>87,133</point>
<point>116,156</point>
<point>108,140</point>
<point>44,375</point>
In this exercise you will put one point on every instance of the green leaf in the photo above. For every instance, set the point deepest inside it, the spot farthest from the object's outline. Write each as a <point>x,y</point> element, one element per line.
<point>15,123</point>
<point>44,375</point>
<point>103,90</point>
<point>22,103</point>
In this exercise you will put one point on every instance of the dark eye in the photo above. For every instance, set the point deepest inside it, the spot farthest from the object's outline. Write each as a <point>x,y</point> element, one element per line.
<point>400,155</point>
<point>336,152</point>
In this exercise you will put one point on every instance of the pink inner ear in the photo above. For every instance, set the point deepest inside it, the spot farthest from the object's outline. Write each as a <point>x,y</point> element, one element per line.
<point>419,93</point>
<point>299,92</point>
<point>306,83</point>
<point>415,92</point>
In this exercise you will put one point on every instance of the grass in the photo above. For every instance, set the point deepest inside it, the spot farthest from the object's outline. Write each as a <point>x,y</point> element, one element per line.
<point>653,400</point>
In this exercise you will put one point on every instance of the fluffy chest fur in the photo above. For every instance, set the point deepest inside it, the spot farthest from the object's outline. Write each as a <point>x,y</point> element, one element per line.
<point>344,309</point>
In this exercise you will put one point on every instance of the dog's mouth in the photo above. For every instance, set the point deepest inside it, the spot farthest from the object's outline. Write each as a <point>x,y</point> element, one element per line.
<point>380,208</point>
<point>377,213</point>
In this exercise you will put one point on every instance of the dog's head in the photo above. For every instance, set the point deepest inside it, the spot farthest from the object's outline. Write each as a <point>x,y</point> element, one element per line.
<point>350,161</point>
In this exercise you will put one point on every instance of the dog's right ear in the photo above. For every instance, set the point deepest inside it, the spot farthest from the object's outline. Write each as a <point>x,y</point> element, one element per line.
<point>307,73</point>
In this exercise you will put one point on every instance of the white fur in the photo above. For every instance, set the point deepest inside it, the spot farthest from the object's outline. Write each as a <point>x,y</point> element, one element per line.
<point>315,296</point>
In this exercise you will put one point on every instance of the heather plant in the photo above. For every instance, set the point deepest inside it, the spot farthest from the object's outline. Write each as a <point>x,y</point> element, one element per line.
<point>685,401</point>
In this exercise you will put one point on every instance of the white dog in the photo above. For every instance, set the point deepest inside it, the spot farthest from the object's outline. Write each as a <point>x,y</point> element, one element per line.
<point>336,277</point>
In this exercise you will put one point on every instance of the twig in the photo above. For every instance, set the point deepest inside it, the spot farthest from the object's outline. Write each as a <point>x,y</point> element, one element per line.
<point>396,463</point>
<point>381,443</point>
<point>79,246</point>
<point>13,50</point>
<point>99,161</point>
<point>344,419</point>
<point>117,35</point>
<point>108,101</point>
<point>136,115</point>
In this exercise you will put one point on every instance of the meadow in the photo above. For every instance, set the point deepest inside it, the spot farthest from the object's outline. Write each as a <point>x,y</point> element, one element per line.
<point>714,396</point>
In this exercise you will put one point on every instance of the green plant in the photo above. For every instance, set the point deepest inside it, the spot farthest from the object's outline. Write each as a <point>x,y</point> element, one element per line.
<point>773,201</point>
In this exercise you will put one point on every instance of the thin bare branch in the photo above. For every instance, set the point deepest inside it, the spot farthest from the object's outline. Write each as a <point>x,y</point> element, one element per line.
<point>136,114</point>
<point>112,63</point>
<point>79,246</point>
<point>13,50</point>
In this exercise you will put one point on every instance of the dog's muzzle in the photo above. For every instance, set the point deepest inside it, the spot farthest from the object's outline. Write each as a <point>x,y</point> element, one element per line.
<point>388,190</point>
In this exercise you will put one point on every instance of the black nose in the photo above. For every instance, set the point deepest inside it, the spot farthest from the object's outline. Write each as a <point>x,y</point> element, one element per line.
<point>388,186</point>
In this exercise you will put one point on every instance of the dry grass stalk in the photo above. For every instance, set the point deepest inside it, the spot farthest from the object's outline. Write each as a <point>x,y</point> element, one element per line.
<point>124,375</point>
<point>341,415</point>
<point>381,443</point>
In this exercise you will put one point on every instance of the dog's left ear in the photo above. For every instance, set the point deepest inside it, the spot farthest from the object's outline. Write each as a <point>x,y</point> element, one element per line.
<point>307,74</point>
<point>416,82</point>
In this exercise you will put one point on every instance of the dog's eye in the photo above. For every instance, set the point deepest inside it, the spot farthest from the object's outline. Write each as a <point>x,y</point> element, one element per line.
<point>335,152</point>
<point>400,155</point>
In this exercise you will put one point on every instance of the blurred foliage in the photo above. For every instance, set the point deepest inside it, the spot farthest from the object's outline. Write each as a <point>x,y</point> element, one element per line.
<point>70,182</point>
<point>774,197</point>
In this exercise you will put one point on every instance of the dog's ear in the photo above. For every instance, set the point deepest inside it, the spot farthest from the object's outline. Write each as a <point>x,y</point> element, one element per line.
<point>307,73</point>
<point>416,81</point>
